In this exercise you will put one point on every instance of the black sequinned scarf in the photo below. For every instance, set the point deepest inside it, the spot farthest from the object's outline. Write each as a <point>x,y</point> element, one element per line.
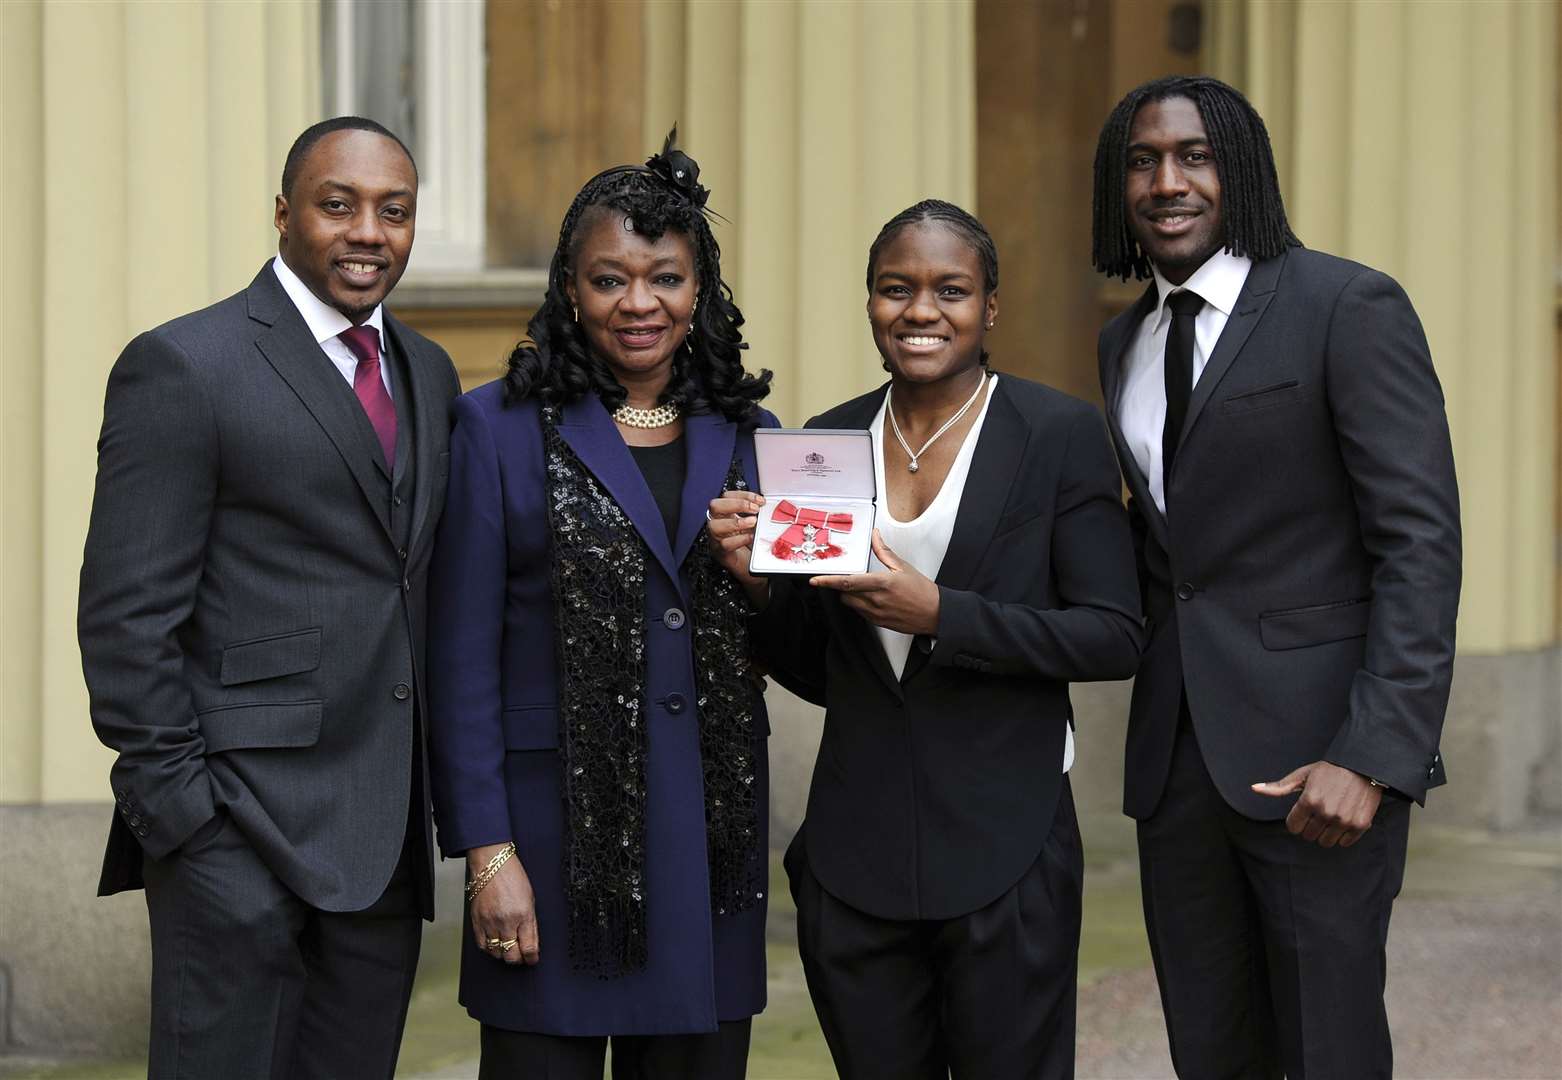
<point>598,579</point>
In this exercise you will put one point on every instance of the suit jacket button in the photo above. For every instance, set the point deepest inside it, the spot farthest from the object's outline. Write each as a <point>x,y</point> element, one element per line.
<point>402,692</point>
<point>1185,591</point>
<point>401,554</point>
<point>675,703</point>
<point>395,500</point>
<point>672,618</point>
<point>406,585</point>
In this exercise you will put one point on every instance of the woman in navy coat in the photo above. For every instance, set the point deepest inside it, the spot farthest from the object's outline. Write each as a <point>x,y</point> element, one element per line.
<point>591,698</point>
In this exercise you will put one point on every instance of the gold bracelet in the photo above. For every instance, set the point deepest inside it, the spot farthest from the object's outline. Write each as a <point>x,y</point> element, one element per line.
<point>487,873</point>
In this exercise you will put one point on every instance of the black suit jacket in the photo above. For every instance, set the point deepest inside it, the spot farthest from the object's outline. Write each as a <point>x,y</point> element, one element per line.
<point>251,615</point>
<point>933,793</point>
<point>1302,586</point>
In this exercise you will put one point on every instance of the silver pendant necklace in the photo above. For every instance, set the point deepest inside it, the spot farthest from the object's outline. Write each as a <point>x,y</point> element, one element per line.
<point>889,407</point>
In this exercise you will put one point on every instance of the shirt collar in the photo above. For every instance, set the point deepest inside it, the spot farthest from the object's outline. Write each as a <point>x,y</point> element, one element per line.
<point>1219,281</point>
<point>324,321</point>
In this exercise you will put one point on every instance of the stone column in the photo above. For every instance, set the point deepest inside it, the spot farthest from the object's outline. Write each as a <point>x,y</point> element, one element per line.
<point>814,123</point>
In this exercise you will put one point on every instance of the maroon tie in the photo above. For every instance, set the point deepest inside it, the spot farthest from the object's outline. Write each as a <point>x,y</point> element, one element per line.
<point>364,341</point>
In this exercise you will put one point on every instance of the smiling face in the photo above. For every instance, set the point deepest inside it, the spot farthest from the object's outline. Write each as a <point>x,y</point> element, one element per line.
<point>346,226</point>
<point>635,297</point>
<point>1172,193</point>
<point>928,306</point>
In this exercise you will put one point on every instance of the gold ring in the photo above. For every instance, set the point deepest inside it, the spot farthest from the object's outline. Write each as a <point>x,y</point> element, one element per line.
<point>494,943</point>
<point>508,945</point>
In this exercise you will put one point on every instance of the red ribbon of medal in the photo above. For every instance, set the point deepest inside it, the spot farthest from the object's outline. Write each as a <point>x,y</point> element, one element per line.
<point>807,537</point>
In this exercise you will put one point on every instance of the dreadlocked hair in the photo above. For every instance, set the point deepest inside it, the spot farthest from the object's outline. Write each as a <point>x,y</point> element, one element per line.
<point>1252,211</point>
<point>555,364</point>
<point>959,221</point>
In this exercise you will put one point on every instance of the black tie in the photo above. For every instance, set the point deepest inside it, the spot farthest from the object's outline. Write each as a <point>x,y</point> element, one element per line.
<point>1185,308</point>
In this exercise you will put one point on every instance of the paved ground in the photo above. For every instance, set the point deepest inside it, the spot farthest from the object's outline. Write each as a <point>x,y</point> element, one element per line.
<point>1475,974</point>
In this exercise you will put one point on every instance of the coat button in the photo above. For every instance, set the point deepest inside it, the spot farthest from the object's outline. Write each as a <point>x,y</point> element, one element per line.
<point>402,692</point>
<point>672,618</point>
<point>1185,591</point>
<point>406,585</point>
<point>675,703</point>
<point>401,554</point>
<point>395,500</point>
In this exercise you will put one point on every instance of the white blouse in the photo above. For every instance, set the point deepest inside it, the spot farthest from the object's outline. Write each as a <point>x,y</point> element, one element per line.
<point>924,540</point>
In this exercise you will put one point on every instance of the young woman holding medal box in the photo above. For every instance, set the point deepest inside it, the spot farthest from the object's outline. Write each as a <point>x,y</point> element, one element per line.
<point>938,871</point>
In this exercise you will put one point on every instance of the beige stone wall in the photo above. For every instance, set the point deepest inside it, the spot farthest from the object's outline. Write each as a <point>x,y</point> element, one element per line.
<point>142,144</point>
<point>1422,139</point>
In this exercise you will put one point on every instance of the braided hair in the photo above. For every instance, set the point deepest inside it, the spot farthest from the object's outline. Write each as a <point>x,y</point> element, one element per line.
<point>959,221</point>
<point>556,365</point>
<point>1252,211</point>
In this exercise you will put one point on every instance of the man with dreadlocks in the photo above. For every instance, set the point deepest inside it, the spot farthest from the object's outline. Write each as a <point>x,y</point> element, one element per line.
<point>1282,432</point>
<point>597,733</point>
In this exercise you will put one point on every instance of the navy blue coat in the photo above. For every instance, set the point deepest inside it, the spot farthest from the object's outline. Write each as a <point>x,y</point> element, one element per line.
<point>493,729</point>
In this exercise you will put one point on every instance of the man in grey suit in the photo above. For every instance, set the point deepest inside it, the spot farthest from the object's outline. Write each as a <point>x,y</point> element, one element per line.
<point>1283,436</point>
<point>251,621</point>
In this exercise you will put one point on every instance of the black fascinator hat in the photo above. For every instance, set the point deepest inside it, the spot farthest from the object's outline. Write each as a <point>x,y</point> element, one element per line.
<point>680,172</point>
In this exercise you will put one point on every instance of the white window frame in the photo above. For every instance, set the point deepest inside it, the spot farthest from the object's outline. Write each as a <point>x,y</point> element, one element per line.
<point>452,123</point>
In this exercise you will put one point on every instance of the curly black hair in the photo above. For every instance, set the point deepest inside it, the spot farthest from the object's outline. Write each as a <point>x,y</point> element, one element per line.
<point>556,365</point>
<point>1252,210</point>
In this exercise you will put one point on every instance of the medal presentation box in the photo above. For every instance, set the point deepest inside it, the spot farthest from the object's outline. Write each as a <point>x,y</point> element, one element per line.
<point>819,494</point>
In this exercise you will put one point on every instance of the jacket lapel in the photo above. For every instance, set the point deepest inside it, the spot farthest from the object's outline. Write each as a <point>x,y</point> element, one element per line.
<point>708,442</point>
<point>428,415</point>
<point>1257,291</point>
<point>994,465</point>
<point>1113,354</point>
<point>288,346</point>
<point>591,433</point>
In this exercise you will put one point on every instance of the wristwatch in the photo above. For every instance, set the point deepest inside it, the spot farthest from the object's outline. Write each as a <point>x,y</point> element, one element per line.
<point>1375,782</point>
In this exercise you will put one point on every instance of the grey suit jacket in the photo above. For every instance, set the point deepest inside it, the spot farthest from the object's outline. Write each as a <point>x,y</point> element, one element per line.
<point>1303,585</point>
<point>252,600</point>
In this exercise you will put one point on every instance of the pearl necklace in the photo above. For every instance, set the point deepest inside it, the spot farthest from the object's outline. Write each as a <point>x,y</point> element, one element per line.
<point>658,417</point>
<point>889,407</point>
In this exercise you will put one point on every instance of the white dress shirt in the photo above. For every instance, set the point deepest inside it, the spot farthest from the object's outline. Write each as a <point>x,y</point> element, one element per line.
<point>325,323</point>
<point>924,540</point>
<point>1141,400</point>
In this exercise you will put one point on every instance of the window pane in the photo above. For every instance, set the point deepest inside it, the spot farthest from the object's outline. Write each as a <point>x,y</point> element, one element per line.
<point>370,55</point>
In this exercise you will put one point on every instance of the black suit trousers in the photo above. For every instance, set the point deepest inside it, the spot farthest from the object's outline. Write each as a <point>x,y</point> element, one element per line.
<point>523,1055</point>
<point>1270,951</point>
<point>249,981</point>
<point>989,995</point>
